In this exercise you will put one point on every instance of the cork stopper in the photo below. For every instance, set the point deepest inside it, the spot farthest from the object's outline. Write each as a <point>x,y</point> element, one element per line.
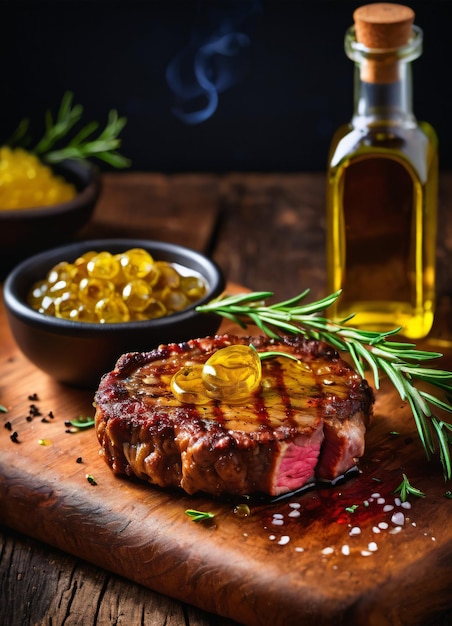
<point>383,26</point>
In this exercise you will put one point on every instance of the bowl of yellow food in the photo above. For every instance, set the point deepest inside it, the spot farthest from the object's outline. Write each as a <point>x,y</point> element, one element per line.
<point>75,309</point>
<point>48,187</point>
<point>42,205</point>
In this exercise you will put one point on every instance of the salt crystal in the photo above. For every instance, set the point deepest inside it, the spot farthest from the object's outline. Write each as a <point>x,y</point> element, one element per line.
<point>272,537</point>
<point>365,553</point>
<point>345,550</point>
<point>278,522</point>
<point>375,495</point>
<point>398,519</point>
<point>388,507</point>
<point>355,531</point>
<point>372,546</point>
<point>433,538</point>
<point>397,501</point>
<point>284,540</point>
<point>294,505</point>
<point>406,505</point>
<point>294,514</point>
<point>327,551</point>
<point>383,525</point>
<point>395,530</point>
<point>376,530</point>
<point>278,516</point>
<point>299,549</point>
<point>381,501</point>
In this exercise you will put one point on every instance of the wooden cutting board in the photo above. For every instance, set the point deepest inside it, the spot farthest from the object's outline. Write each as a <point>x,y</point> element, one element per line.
<point>348,554</point>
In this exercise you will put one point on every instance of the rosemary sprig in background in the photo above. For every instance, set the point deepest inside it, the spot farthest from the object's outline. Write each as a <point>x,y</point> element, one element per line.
<point>400,361</point>
<point>57,143</point>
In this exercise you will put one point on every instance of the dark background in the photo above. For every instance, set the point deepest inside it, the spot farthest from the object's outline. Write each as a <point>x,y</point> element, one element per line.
<point>283,87</point>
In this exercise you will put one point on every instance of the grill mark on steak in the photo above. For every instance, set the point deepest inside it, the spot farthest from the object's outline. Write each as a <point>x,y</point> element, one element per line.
<point>279,386</point>
<point>261,410</point>
<point>307,420</point>
<point>218,414</point>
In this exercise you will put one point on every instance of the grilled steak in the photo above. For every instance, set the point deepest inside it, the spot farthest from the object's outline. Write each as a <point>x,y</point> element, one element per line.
<point>307,420</point>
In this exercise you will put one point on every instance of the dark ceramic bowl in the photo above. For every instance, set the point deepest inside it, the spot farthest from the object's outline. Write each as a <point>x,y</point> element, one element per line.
<point>26,231</point>
<point>78,353</point>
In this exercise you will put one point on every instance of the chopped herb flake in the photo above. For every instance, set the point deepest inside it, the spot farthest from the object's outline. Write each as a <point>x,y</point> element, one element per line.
<point>3,409</point>
<point>199,516</point>
<point>406,488</point>
<point>81,423</point>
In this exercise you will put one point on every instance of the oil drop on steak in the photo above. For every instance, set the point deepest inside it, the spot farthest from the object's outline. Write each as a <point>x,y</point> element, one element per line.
<point>306,421</point>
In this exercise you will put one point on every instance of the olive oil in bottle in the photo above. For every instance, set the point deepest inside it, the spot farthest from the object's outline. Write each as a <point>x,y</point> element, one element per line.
<point>382,184</point>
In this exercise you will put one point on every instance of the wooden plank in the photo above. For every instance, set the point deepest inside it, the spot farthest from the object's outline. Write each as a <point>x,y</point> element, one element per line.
<point>51,587</point>
<point>273,232</point>
<point>248,569</point>
<point>179,208</point>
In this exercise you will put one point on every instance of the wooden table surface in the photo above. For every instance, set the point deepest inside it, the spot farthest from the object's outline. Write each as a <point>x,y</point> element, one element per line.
<point>267,232</point>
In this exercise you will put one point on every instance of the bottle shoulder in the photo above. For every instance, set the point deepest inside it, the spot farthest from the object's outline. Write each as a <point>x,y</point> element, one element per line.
<point>416,145</point>
<point>380,133</point>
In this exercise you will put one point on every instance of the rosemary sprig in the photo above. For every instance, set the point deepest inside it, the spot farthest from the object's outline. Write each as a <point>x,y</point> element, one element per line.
<point>400,362</point>
<point>274,353</point>
<point>83,145</point>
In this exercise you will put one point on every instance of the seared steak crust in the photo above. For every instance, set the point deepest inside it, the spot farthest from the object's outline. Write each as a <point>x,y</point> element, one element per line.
<point>307,420</point>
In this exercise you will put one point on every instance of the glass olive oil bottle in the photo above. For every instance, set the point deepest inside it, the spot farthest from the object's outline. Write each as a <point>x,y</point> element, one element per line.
<point>382,184</point>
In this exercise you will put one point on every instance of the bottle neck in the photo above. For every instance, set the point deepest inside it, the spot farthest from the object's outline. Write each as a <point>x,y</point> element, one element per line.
<point>383,87</point>
<point>383,102</point>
